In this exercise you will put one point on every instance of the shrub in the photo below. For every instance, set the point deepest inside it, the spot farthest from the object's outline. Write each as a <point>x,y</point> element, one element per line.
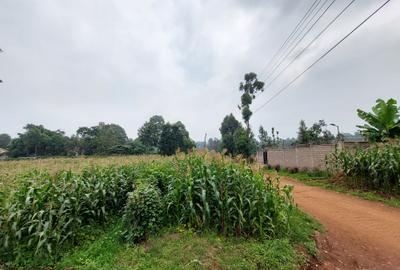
<point>142,213</point>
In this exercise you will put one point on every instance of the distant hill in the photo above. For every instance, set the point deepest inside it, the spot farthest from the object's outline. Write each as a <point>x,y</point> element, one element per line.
<point>356,137</point>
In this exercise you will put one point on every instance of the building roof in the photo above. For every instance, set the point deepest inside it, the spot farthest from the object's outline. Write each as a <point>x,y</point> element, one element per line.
<point>3,151</point>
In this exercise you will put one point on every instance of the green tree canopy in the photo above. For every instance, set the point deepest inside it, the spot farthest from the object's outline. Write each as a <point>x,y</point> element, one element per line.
<point>228,127</point>
<point>174,137</point>
<point>266,140</point>
<point>263,137</point>
<point>133,147</point>
<point>250,87</point>
<point>316,134</point>
<point>137,147</point>
<point>303,135</point>
<point>382,123</point>
<point>39,141</point>
<point>244,144</point>
<point>101,139</point>
<point>5,140</point>
<point>150,133</point>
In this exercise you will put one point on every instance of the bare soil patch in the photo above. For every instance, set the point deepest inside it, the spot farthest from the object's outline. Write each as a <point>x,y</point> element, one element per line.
<point>360,234</point>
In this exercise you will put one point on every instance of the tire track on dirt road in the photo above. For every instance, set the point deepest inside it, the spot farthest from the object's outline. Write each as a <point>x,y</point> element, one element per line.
<point>360,234</point>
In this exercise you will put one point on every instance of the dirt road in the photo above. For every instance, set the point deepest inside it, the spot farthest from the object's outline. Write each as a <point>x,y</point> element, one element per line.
<point>359,234</point>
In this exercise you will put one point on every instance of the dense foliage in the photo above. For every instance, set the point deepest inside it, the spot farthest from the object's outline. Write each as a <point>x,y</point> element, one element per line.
<point>376,168</point>
<point>235,139</point>
<point>227,197</point>
<point>5,140</point>
<point>44,213</point>
<point>103,139</point>
<point>268,141</point>
<point>39,141</point>
<point>135,147</point>
<point>228,127</point>
<point>142,213</point>
<point>48,213</point>
<point>316,134</point>
<point>383,122</point>
<point>150,132</point>
<point>175,137</point>
<point>250,87</point>
<point>245,143</point>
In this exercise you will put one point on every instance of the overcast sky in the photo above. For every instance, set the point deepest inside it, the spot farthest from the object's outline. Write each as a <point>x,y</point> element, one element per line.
<point>68,64</point>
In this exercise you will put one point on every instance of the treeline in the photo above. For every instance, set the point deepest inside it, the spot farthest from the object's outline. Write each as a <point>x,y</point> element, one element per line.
<point>155,137</point>
<point>234,139</point>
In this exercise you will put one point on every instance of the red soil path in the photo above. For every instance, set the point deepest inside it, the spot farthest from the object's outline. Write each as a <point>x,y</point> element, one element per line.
<point>359,234</point>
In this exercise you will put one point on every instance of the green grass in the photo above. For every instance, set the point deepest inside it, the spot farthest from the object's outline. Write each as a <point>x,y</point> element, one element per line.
<point>178,248</point>
<point>323,180</point>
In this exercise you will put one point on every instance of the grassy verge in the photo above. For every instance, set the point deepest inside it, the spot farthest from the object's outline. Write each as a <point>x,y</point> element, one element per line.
<point>323,180</point>
<point>177,248</point>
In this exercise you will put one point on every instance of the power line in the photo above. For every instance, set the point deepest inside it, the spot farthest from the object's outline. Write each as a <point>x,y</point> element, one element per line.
<point>310,43</point>
<point>321,57</point>
<point>294,40</point>
<point>301,39</point>
<point>290,36</point>
<point>294,31</point>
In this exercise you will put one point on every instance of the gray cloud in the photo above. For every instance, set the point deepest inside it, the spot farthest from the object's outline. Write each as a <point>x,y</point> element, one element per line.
<point>74,63</point>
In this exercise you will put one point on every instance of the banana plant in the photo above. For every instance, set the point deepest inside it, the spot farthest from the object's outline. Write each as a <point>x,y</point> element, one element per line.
<point>383,122</point>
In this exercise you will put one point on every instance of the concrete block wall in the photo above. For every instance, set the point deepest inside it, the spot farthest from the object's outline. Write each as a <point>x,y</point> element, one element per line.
<point>301,157</point>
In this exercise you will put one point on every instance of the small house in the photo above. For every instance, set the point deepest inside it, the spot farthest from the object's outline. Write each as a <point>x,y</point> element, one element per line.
<point>3,153</point>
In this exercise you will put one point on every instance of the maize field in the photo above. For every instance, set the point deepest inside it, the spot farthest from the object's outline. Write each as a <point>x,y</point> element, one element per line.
<point>46,212</point>
<point>375,168</point>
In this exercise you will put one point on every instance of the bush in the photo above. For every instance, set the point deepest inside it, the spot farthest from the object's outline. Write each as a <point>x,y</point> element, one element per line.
<point>142,213</point>
<point>376,168</point>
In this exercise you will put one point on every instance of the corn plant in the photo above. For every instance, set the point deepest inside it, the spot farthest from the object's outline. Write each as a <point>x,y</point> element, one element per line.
<point>227,197</point>
<point>47,211</point>
<point>375,168</point>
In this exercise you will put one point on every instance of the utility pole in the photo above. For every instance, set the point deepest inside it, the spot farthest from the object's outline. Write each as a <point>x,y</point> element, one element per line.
<point>205,141</point>
<point>339,136</point>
